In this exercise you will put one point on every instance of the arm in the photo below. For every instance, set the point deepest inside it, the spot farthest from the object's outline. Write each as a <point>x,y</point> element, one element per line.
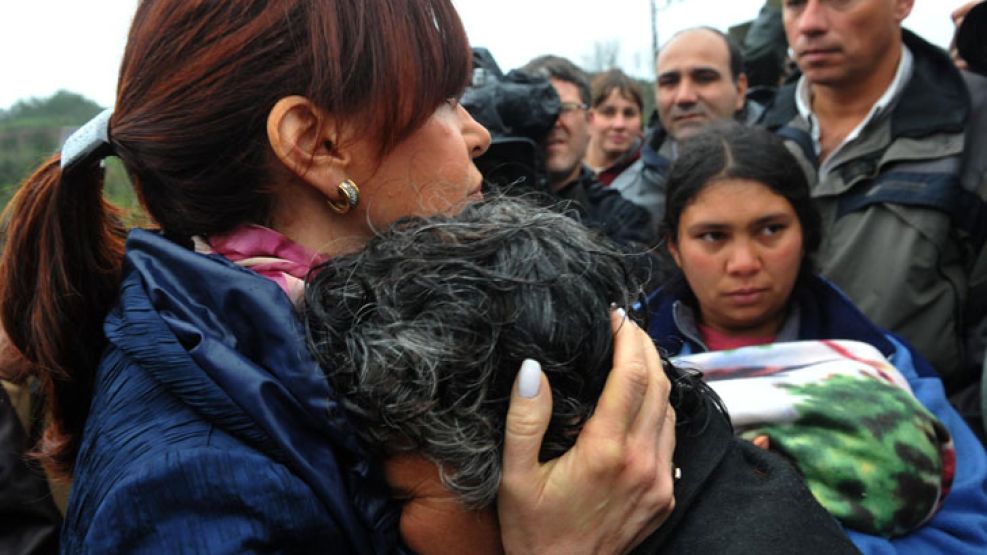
<point>960,526</point>
<point>614,487</point>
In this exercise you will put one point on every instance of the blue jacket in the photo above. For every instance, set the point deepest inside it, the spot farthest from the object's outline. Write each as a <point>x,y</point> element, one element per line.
<point>211,429</point>
<point>820,311</point>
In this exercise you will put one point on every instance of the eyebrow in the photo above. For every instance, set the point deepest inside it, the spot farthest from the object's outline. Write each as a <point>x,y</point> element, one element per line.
<point>690,70</point>
<point>716,226</point>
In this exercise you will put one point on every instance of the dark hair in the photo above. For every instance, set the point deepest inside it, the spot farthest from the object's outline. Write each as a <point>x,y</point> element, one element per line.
<point>557,67</point>
<point>736,55</point>
<point>611,80</point>
<point>196,85</point>
<point>729,150</point>
<point>422,333</point>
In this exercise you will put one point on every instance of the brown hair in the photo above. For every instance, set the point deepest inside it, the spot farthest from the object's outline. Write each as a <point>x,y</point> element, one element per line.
<point>614,79</point>
<point>197,82</point>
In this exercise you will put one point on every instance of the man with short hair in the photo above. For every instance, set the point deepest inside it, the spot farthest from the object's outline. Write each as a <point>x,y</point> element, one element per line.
<point>564,149</point>
<point>878,120</point>
<point>700,80</point>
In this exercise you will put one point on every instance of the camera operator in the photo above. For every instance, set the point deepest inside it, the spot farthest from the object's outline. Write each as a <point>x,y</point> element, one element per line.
<point>538,118</point>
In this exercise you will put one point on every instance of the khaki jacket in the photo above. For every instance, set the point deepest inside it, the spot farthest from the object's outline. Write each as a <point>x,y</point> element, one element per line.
<point>901,231</point>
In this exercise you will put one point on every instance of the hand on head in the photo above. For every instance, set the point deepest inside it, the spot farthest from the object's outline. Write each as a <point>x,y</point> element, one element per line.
<point>614,487</point>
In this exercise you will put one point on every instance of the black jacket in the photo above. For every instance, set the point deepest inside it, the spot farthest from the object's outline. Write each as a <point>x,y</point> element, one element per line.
<point>733,497</point>
<point>29,521</point>
<point>605,209</point>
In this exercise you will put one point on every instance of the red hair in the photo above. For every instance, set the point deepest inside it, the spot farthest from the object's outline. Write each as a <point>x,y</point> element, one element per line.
<point>197,82</point>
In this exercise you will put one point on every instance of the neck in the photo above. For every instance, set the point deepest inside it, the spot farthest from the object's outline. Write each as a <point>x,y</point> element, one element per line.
<point>563,182</point>
<point>301,214</point>
<point>597,158</point>
<point>835,103</point>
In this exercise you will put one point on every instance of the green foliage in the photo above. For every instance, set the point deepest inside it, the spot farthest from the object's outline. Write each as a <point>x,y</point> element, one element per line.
<point>63,109</point>
<point>33,129</point>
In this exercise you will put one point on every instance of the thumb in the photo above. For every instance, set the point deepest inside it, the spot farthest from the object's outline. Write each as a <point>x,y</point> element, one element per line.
<point>527,419</point>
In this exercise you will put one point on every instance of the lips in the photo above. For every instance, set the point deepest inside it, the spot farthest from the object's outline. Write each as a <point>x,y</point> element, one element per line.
<point>746,296</point>
<point>689,117</point>
<point>817,55</point>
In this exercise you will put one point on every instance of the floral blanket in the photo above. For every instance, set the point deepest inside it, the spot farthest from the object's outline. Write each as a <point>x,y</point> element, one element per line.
<point>869,451</point>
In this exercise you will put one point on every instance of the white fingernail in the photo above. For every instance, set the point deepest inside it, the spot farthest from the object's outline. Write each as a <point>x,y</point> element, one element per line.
<point>622,313</point>
<point>529,381</point>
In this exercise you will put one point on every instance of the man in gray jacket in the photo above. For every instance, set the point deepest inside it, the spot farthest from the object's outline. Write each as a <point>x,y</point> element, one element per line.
<point>700,80</point>
<point>879,119</point>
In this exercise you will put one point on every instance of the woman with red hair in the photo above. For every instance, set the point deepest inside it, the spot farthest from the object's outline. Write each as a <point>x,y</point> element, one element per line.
<point>262,137</point>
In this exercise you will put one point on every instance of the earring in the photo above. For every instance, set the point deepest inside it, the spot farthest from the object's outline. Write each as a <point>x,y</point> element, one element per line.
<point>351,197</point>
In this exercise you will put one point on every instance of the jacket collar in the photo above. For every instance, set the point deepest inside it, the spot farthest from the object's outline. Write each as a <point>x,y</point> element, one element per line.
<point>934,100</point>
<point>226,343</point>
<point>822,312</point>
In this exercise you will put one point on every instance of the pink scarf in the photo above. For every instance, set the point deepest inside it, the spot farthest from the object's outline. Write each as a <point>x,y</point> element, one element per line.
<point>266,252</point>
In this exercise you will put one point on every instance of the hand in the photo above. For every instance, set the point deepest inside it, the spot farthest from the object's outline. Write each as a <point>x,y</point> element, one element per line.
<point>615,486</point>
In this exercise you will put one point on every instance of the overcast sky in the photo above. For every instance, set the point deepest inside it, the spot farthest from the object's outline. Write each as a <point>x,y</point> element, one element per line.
<point>46,45</point>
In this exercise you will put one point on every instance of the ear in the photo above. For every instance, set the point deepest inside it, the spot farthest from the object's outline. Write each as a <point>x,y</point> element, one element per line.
<point>673,249</point>
<point>306,140</point>
<point>902,8</point>
<point>741,91</point>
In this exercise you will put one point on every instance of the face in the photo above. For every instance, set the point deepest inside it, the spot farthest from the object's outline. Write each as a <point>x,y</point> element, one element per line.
<point>694,86</point>
<point>740,247</point>
<point>615,124</point>
<point>839,42</point>
<point>430,172</point>
<point>433,521</point>
<point>566,143</point>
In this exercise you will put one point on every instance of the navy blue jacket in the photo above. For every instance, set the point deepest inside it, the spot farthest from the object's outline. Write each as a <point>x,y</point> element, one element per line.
<point>211,428</point>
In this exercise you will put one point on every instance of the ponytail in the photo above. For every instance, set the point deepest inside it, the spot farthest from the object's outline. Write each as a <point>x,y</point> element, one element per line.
<point>59,274</point>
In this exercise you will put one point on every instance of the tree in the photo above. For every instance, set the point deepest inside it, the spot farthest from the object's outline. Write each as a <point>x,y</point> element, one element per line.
<point>33,129</point>
<point>605,55</point>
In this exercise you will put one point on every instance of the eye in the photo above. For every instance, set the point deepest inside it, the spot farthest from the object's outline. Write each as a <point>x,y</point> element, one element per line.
<point>711,236</point>
<point>668,80</point>
<point>706,76</point>
<point>771,230</point>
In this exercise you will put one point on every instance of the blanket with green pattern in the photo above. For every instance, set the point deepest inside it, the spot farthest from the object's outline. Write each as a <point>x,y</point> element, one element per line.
<point>869,451</point>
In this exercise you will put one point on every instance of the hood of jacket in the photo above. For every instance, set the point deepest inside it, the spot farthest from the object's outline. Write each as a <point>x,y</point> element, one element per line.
<point>227,343</point>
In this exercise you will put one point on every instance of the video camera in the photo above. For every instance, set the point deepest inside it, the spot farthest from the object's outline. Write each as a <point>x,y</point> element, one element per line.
<point>519,110</point>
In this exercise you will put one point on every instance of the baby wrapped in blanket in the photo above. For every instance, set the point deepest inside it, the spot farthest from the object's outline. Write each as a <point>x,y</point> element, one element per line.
<point>869,451</point>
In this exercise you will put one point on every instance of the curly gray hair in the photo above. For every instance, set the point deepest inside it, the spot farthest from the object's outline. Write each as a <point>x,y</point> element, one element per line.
<point>422,332</point>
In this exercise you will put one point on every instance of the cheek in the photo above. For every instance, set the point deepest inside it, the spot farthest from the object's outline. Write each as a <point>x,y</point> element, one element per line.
<point>700,268</point>
<point>787,260</point>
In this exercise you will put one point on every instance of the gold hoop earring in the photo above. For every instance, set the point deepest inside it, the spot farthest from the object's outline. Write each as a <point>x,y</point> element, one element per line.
<point>351,197</point>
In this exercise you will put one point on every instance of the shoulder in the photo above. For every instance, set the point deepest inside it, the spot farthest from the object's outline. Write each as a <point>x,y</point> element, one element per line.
<point>205,500</point>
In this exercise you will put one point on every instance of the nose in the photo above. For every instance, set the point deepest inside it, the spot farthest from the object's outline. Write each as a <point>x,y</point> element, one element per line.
<point>812,19</point>
<point>685,94</point>
<point>743,259</point>
<point>476,135</point>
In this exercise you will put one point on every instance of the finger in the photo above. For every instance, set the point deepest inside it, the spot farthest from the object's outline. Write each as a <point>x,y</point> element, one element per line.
<point>527,419</point>
<point>762,441</point>
<point>627,385</point>
<point>653,408</point>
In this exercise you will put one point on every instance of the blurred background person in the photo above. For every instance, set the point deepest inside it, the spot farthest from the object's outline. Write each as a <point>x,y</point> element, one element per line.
<point>614,125</point>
